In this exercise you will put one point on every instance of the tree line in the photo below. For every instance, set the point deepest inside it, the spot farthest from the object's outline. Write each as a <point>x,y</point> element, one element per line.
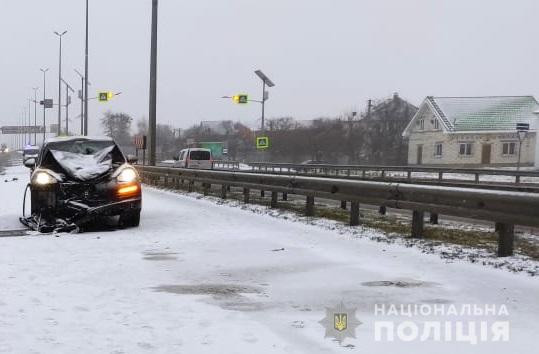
<point>374,136</point>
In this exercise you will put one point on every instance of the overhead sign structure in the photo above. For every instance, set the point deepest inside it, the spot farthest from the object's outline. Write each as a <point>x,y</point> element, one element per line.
<point>30,129</point>
<point>48,102</point>
<point>104,96</point>
<point>523,126</point>
<point>262,142</point>
<point>241,98</point>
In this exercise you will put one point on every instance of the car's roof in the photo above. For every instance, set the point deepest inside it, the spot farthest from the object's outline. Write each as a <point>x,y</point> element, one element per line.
<point>197,149</point>
<point>79,137</point>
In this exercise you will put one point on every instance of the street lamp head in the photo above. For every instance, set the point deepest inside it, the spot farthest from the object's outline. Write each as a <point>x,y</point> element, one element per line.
<point>60,34</point>
<point>44,70</point>
<point>264,78</point>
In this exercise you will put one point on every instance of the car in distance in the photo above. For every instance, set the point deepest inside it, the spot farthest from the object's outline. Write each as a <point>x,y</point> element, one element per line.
<point>30,152</point>
<point>76,180</point>
<point>198,158</point>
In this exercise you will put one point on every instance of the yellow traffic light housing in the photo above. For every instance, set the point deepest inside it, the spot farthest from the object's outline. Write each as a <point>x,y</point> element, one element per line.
<point>105,96</point>
<point>240,98</point>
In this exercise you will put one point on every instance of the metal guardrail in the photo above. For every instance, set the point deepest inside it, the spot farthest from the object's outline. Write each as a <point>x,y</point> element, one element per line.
<point>503,207</point>
<point>408,173</point>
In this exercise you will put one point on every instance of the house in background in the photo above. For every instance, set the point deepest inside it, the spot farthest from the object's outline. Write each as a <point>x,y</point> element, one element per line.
<point>473,131</point>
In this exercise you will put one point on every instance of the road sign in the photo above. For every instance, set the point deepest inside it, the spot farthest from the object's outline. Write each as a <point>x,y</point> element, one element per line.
<point>30,129</point>
<point>140,141</point>
<point>262,142</point>
<point>49,103</point>
<point>241,98</point>
<point>523,126</point>
<point>104,96</point>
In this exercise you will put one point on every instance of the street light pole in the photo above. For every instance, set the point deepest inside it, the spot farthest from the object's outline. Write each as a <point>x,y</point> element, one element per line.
<point>85,132</point>
<point>35,114</point>
<point>44,71</point>
<point>265,82</point>
<point>60,35</point>
<point>153,86</point>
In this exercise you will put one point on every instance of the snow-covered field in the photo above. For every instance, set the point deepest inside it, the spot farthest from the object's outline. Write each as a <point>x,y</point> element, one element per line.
<point>203,277</point>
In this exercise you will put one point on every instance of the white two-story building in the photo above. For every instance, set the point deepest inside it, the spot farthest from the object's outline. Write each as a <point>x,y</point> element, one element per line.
<point>473,131</point>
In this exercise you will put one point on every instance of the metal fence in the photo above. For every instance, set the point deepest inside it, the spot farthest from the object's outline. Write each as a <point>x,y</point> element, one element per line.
<point>505,208</point>
<point>409,173</point>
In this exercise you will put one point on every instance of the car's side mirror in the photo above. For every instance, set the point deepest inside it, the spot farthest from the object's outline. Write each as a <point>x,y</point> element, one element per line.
<point>30,163</point>
<point>132,158</point>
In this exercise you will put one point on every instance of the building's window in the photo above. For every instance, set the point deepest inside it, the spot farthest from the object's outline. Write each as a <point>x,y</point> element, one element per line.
<point>465,149</point>
<point>436,124</point>
<point>438,149</point>
<point>421,124</point>
<point>509,148</point>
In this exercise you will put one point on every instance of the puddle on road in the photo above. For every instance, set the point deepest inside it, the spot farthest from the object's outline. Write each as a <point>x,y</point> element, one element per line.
<point>399,283</point>
<point>160,256</point>
<point>208,289</point>
<point>226,296</point>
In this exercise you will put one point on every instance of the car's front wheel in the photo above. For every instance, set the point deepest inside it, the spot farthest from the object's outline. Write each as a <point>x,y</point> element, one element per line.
<point>130,219</point>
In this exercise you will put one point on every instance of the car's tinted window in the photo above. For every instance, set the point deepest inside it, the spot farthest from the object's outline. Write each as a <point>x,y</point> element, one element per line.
<point>200,155</point>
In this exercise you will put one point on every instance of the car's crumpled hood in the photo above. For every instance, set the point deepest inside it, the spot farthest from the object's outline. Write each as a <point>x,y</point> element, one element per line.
<point>84,167</point>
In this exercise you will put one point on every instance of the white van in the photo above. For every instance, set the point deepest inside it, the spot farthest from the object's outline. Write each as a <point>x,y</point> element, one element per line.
<point>194,158</point>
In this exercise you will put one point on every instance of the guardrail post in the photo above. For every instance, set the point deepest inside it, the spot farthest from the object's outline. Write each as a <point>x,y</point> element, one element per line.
<point>262,193</point>
<point>506,237</point>
<point>382,210</point>
<point>354,213</point>
<point>434,218</point>
<point>409,175</point>
<point>274,196</point>
<point>177,183</point>
<point>223,191</point>
<point>207,188</point>
<point>418,223</point>
<point>440,176</point>
<point>246,195</point>
<point>343,204</point>
<point>517,179</point>
<point>309,207</point>
<point>190,186</point>
<point>285,196</point>
<point>477,178</point>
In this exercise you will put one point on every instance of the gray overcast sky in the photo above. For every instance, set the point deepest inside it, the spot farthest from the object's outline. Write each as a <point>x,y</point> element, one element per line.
<point>325,56</point>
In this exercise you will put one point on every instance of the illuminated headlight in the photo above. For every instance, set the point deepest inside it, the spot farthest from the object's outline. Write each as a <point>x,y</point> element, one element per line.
<point>127,175</point>
<point>43,178</point>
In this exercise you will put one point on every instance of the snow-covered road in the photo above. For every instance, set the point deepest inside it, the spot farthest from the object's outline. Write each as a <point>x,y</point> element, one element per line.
<point>199,277</point>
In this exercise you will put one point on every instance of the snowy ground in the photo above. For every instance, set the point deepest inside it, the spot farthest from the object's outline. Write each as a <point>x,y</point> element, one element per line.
<point>203,277</point>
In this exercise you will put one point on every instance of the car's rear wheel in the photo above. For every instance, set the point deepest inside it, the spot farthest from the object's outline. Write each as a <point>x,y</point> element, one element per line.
<point>130,219</point>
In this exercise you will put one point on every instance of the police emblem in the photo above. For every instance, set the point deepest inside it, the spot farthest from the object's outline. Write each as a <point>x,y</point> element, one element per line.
<point>340,322</point>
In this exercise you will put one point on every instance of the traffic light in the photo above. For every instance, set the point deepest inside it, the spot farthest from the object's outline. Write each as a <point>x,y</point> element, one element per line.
<point>241,99</point>
<point>105,96</point>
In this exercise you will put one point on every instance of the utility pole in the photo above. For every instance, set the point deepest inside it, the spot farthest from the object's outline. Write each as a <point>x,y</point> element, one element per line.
<point>86,77</point>
<point>81,97</point>
<point>153,86</point>
<point>35,114</point>
<point>60,35</point>
<point>44,71</point>
<point>68,102</point>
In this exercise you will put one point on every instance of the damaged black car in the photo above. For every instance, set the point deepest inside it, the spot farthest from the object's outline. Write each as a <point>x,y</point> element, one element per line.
<point>77,180</point>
